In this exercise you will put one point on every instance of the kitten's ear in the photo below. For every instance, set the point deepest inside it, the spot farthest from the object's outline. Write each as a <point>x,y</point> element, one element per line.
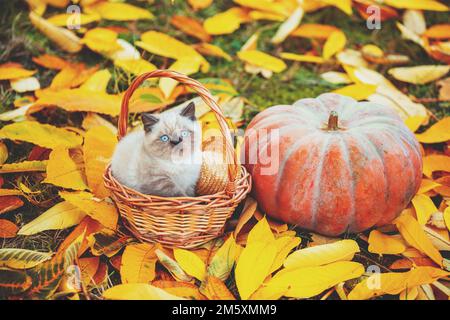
<point>189,111</point>
<point>148,120</point>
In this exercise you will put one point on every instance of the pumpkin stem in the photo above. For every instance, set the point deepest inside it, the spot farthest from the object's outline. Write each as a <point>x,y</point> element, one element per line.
<point>333,121</point>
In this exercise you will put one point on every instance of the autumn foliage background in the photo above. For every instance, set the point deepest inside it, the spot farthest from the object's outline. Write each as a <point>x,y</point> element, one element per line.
<point>60,92</point>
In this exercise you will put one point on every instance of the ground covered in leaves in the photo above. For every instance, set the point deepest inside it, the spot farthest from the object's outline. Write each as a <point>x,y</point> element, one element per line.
<point>60,235</point>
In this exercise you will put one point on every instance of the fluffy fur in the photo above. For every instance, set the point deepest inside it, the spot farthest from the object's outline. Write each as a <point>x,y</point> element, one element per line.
<point>164,159</point>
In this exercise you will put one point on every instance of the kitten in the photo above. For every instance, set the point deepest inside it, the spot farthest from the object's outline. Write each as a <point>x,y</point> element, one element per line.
<point>164,159</point>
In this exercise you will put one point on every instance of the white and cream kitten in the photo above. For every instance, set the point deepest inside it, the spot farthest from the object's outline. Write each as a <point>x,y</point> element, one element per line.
<point>164,159</point>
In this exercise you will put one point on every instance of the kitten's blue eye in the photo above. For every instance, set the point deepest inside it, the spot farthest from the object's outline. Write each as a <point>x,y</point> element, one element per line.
<point>164,138</point>
<point>184,133</point>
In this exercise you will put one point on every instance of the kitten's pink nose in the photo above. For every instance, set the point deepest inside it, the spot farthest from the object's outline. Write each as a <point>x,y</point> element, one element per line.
<point>175,142</point>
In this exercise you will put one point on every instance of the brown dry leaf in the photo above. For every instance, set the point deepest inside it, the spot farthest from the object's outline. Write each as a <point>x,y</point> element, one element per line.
<point>138,263</point>
<point>314,31</point>
<point>98,147</point>
<point>215,289</point>
<point>103,211</point>
<point>63,172</point>
<point>191,27</point>
<point>414,234</point>
<point>381,243</point>
<point>79,100</point>
<point>247,213</point>
<point>65,39</point>
<point>7,229</point>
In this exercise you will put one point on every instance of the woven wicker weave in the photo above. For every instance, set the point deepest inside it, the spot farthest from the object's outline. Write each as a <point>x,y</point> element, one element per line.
<point>184,222</point>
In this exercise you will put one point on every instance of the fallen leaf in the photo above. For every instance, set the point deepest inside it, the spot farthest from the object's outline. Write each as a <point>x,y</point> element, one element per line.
<point>209,49</point>
<point>381,243</point>
<point>101,40</point>
<point>301,57</point>
<point>7,229</point>
<point>138,263</point>
<point>135,66</point>
<point>200,4</point>
<point>288,26</point>
<point>138,291</point>
<point>336,77</point>
<point>22,258</point>
<point>190,27</point>
<point>225,22</point>
<point>215,289</point>
<point>432,163</point>
<point>424,208</point>
<point>61,216</point>
<point>172,266</point>
<point>343,250</point>
<point>11,72</point>
<point>314,31</point>
<point>437,133</point>
<point>119,11</point>
<point>24,166</point>
<point>419,74</point>
<point>417,5</point>
<point>394,283</point>
<point>265,5</point>
<point>427,185</point>
<point>67,19</point>
<point>357,91</point>
<point>65,39</point>
<point>414,20</point>
<point>43,135</point>
<point>180,289</point>
<point>63,172</point>
<point>223,260</point>
<point>9,203</point>
<point>190,263</point>
<point>261,59</point>
<point>414,234</point>
<point>334,44</point>
<point>25,84</point>
<point>413,123</point>
<point>247,213</point>
<point>50,61</point>
<point>438,31</point>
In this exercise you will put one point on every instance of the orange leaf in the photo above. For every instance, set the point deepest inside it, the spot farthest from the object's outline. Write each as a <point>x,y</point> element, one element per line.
<point>7,229</point>
<point>314,31</point>
<point>215,289</point>
<point>191,27</point>
<point>50,62</point>
<point>438,31</point>
<point>9,203</point>
<point>435,162</point>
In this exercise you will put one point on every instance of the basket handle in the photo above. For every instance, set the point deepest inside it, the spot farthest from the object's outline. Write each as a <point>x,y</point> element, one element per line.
<point>230,154</point>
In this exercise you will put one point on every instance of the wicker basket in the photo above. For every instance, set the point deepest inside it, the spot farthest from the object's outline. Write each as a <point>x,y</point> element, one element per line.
<point>183,222</point>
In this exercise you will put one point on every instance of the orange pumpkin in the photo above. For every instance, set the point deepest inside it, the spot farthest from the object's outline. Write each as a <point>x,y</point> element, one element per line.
<point>332,164</point>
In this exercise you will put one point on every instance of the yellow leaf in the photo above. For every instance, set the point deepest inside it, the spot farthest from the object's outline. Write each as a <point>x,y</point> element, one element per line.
<point>343,250</point>
<point>438,31</point>
<point>22,258</point>
<point>138,263</point>
<point>224,22</point>
<point>439,132</point>
<point>101,40</point>
<point>414,122</point>
<point>98,147</point>
<point>262,59</point>
<point>191,263</point>
<point>253,266</point>
<point>419,74</point>
<point>310,281</point>
<point>66,19</point>
<point>61,216</point>
<point>9,72</point>
<point>431,163</point>
<point>215,289</point>
<point>427,185</point>
<point>414,234</point>
<point>381,243</point>
<point>417,5</point>
<point>119,11</point>
<point>288,26</point>
<point>261,232</point>
<point>172,266</point>
<point>344,5</point>
<point>265,5</point>
<point>223,261</point>
<point>63,172</point>
<point>24,166</point>
<point>3,153</point>
<point>135,66</point>
<point>394,283</point>
<point>138,291</point>
<point>43,135</point>
<point>165,45</point>
<point>97,82</point>
<point>314,31</point>
<point>212,50</point>
<point>65,39</point>
<point>284,246</point>
<point>334,44</point>
<point>447,217</point>
<point>10,192</point>
<point>101,210</point>
<point>424,208</point>
<point>80,100</point>
<point>261,15</point>
<point>186,65</point>
<point>200,4</point>
<point>301,57</point>
<point>357,91</point>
